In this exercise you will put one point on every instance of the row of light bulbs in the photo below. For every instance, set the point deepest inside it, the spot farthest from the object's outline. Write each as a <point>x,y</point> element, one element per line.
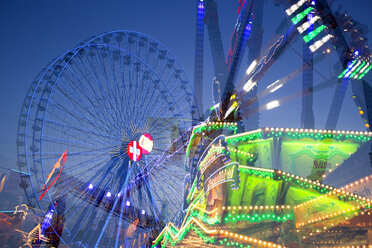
<point>334,214</point>
<point>300,130</point>
<point>256,207</point>
<point>249,239</point>
<point>241,152</point>
<point>334,192</point>
<point>357,182</point>
<point>222,123</point>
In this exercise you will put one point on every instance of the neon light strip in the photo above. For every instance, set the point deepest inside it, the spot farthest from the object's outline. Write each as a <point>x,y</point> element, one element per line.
<point>294,7</point>
<point>364,73</point>
<point>28,174</point>
<point>241,152</point>
<point>214,107</point>
<point>250,239</point>
<point>244,134</point>
<point>261,207</point>
<point>365,67</point>
<point>301,16</point>
<point>314,33</point>
<point>307,24</point>
<point>352,69</point>
<point>256,168</point>
<point>213,231</point>
<point>346,70</point>
<point>301,130</point>
<point>320,43</point>
<point>330,216</point>
<point>205,211</point>
<point>334,192</point>
<point>357,70</point>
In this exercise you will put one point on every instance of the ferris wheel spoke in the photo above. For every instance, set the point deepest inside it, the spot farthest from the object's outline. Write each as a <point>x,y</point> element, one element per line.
<point>101,193</point>
<point>52,123</point>
<point>79,122</point>
<point>75,104</point>
<point>95,124</point>
<point>109,90</point>
<point>109,216</point>
<point>83,168</point>
<point>74,115</point>
<point>164,196</point>
<point>101,106</point>
<point>69,143</point>
<point>77,87</point>
<point>124,99</point>
<point>119,105</point>
<point>70,128</point>
<point>102,88</point>
<point>71,183</point>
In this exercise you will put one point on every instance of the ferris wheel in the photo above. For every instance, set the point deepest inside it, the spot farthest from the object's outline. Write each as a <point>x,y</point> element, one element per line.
<point>101,140</point>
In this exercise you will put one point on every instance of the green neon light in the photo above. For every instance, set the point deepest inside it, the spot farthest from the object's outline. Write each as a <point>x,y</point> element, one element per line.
<point>301,16</point>
<point>255,218</point>
<point>305,185</point>
<point>314,33</point>
<point>205,218</point>
<point>346,70</point>
<point>357,70</point>
<point>230,243</point>
<point>260,173</point>
<point>365,72</point>
<point>203,128</point>
<point>242,156</point>
<point>343,73</point>
<point>182,235</point>
<point>298,135</point>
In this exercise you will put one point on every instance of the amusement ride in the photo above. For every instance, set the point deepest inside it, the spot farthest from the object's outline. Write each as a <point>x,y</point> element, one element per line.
<point>115,148</point>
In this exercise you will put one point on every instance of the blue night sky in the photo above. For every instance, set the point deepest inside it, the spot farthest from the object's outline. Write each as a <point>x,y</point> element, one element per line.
<point>35,32</point>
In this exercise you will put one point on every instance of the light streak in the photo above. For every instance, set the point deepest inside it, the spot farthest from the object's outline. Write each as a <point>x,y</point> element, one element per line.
<point>249,85</point>
<point>276,88</point>
<point>294,7</point>
<point>320,42</point>
<point>251,67</point>
<point>301,16</point>
<point>307,24</point>
<point>314,33</point>
<point>352,69</point>
<point>272,104</point>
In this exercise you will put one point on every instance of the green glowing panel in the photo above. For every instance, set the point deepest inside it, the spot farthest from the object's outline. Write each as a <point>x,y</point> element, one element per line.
<point>301,16</point>
<point>310,159</point>
<point>254,191</point>
<point>322,207</point>
<point>297,196</point>
<point>314,33</point>
<point>262,151</point>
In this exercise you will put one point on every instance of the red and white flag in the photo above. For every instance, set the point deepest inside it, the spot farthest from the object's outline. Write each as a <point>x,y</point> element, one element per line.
<point>134,151</point>
<point>146,143</point>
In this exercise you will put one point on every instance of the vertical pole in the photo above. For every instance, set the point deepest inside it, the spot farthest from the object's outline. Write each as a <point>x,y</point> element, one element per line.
<point>198,62</point>
<point>307,114</point>
<point>254,44</point>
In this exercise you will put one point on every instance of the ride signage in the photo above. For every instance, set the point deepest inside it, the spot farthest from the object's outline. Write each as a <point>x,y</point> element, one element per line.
<point>226,173</point>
